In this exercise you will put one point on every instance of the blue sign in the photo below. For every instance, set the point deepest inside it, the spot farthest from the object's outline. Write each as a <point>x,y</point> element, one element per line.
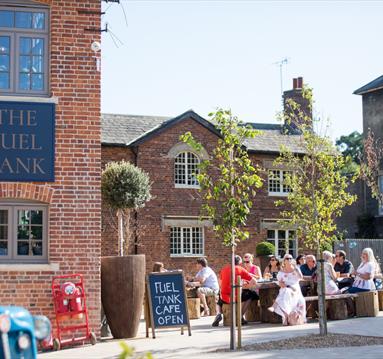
<point>27,141</point>
<point>167,297</point>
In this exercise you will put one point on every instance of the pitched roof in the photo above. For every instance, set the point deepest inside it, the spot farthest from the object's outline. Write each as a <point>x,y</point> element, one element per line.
<point>272,137</point>
<point>374,85</point>
<point>129,130</point>
<point>123,129</point>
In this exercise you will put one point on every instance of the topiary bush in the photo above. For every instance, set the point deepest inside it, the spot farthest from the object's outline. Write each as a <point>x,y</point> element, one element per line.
<point>264,249</point>
<point>125,186</point>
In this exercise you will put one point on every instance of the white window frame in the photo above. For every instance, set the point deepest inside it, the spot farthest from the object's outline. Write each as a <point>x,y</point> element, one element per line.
<point>282,191</point>
<point>183,254</point>
<point>276,240</point>
<point>12,256</point>
<point>187,169</point>
<point>15,34</point>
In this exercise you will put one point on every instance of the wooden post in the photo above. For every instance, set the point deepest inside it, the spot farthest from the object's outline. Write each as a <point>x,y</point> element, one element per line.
<point>239,314</point>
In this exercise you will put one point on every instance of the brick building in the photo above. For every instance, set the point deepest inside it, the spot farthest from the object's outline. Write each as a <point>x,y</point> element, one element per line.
<point>50,211</point>
<point>169,228</point>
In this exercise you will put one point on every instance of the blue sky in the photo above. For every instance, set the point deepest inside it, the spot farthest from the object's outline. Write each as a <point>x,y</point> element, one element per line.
<point>190,54</point>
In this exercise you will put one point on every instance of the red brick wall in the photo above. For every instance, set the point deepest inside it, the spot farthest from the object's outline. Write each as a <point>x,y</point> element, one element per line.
<point>74,198</point>
<point>168,200</point>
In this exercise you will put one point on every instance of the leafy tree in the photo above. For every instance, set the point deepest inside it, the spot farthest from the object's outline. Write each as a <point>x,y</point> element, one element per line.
<point>228,183</point>
<point>124,187</point>
<point>371,164</point>
<point>318,191</point>
<point>351,145</point>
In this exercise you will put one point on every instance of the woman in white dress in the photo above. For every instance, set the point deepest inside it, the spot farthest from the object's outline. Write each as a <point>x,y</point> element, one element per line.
<point>329,274</point>
<point>290,303</point>
<point>364,275</point>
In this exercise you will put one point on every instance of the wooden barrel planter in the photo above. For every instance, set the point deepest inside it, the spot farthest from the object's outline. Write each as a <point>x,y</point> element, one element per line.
<point>122,293</point>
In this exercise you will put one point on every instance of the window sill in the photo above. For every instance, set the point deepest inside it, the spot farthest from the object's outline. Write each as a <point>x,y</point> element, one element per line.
<point>186,256</point>
<point>29,99</point>
<point>29,267</point>
<point>186,186</point>
<point>278,194</point>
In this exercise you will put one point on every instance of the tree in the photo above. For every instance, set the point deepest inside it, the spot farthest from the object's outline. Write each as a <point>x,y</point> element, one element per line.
<point>124,187</point>
<point>351,147</point>
<point>318,191</point>
<point>371,164</point>
<point>228,183</point>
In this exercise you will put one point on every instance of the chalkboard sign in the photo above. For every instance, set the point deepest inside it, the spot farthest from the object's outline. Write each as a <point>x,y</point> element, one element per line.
<point>167,300</point>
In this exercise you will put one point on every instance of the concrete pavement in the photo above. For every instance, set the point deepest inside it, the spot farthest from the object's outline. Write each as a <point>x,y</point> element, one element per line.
<point>205,340</point>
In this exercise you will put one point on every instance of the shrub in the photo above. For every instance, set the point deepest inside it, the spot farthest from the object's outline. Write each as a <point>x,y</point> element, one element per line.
<point>124,186</point>
<point>264,249</point>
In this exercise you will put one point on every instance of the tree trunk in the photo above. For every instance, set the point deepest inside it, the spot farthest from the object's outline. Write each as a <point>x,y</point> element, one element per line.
<point>232,298</point>
<point>120,217</point>
<point>321,295</point>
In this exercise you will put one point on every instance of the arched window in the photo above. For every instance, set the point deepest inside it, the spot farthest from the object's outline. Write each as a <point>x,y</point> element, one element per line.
<point>186,170</point>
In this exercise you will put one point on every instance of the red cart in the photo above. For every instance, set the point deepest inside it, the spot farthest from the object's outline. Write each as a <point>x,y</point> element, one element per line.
<point>71,312</point>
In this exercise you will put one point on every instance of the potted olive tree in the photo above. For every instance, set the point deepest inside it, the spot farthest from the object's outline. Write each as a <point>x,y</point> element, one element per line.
<point>124,188</point>
<point>264,250</point>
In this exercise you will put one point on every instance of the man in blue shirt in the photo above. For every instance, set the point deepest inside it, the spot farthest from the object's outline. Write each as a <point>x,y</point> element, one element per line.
<point>308,270</point>
<point>310,267</point>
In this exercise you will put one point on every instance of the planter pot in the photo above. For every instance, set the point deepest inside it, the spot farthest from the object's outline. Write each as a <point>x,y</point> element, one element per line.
<point>264,261</point>
<point>122,293</point>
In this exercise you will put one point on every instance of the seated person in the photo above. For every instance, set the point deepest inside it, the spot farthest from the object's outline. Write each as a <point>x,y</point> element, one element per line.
<point>159,267</point>
<point>300,260</point>
<point>208,283</point>
<point>225,284</point>
<point>272,269</point>
<point>250,267</point>
<point>329,274</point>
<point>289,304</point>
<point>308,271</point>
<point>344,267</point>
<point>364,275</point>
<point>309,268</point>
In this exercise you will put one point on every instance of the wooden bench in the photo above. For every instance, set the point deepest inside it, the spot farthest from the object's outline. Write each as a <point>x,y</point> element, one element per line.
<point>367,304</point>
<point>194,308</point>
<point>253,312</point>
<point>338,306</point>
<point>380,298</point>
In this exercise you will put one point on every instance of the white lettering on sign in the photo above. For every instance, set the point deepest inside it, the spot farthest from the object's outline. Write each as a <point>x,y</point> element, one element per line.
<point>171,319</point>
<point>165,287</point>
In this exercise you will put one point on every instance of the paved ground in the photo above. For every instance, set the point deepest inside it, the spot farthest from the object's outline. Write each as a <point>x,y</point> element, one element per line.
<point>205,340</point>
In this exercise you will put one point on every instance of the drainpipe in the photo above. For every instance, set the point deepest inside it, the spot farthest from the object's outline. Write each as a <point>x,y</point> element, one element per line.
<point>135,215</point>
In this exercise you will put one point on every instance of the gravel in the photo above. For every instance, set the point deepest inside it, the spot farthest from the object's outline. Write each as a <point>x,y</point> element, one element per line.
<point>316,341</point>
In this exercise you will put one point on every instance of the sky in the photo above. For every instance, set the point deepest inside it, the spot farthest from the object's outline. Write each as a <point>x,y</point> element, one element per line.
<point>176,55</point>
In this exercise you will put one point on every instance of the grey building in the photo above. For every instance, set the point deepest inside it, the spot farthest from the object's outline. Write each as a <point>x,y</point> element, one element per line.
<point>370,213</point>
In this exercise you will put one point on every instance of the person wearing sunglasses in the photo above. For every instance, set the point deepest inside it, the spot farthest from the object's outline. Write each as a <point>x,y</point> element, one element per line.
<point>290,303</point>
<point>251,267</point>
<point>271,271</point>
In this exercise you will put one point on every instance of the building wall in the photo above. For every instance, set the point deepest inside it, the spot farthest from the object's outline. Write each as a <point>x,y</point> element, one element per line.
<point>373,119</point>
<point>74,198</point>
<point>152,157</point>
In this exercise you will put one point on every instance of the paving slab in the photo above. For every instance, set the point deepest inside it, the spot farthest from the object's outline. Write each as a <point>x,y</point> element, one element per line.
<point>205,340</point>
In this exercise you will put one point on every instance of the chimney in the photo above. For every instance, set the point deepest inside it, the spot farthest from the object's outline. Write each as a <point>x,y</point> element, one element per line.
<point>295,118</point>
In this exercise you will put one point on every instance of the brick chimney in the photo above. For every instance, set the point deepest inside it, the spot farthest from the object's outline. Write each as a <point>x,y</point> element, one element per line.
<point>296,94</point>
